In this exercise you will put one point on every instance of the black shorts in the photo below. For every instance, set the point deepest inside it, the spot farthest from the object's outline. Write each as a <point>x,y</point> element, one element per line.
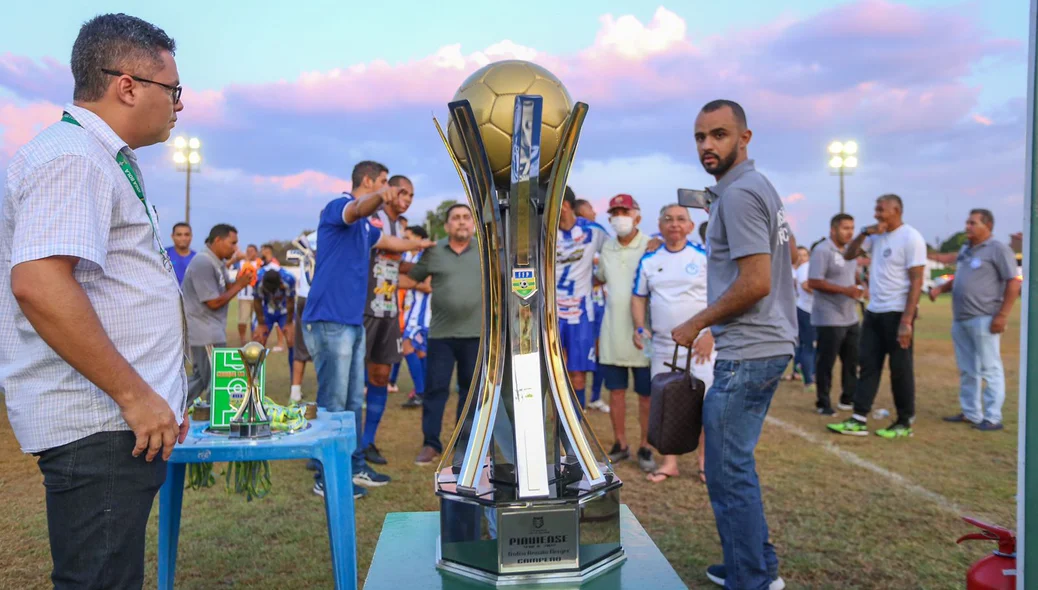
<point>301,353</point>
<point>382,340</point>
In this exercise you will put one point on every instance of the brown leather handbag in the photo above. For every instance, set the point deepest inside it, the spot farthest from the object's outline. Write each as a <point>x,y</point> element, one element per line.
<point>676,410</point>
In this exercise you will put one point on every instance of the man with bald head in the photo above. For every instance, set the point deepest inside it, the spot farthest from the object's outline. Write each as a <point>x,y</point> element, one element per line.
<point>752,316</point>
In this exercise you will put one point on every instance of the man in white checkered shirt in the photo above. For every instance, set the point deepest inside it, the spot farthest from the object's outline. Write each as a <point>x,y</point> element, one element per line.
<point>92,337</point>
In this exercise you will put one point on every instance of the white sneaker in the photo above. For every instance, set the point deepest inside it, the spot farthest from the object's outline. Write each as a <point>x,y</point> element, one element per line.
<point>844,407</point>
<point>599,405</point>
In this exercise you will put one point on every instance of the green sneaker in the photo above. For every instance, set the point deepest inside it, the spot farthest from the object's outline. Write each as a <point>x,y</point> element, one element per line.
<point>850,427</point>
<point>895,431</point>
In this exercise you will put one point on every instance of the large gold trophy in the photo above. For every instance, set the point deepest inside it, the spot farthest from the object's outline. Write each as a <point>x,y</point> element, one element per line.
<point>527,494</point>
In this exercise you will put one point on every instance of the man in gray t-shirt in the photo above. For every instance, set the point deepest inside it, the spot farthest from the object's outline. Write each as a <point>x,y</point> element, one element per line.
<point>752,314</point>
<point>207,291</point>
<point>834,281</point>
<point>983,292</point>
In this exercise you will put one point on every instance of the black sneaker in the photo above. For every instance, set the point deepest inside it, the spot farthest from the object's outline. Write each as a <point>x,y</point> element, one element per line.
<point>616,454</point>
<point>645,461</point>
<point>959,419</point>
<point>372,455</point>
<point>413,401</point>
<point>369,478</point>
<point>825,411</point>
<point>358,492</point>
<point>989,426</point>
<point>716,574</point>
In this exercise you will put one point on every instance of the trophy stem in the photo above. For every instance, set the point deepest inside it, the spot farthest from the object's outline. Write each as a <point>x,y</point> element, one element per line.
<point>258,423</point>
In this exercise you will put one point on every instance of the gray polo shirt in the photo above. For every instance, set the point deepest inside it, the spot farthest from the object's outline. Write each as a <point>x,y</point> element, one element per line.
<point>981,274</point>
<point>827,264</point>
<point>747,218</point>
<point>457,309</point>
<point>204,280</point>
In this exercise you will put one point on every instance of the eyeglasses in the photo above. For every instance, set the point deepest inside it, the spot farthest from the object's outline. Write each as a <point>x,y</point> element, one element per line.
<point>174,91</point>
<point>669,219</point>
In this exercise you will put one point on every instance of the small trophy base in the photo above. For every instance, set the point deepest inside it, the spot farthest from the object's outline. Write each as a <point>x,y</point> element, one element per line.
<point>557,541</point>
<point>250,430</point>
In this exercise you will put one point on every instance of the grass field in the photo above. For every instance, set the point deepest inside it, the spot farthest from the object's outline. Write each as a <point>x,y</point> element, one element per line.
<point>844,512</point>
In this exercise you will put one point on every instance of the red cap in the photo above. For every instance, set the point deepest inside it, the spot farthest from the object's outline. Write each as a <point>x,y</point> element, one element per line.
<point>623,201</point>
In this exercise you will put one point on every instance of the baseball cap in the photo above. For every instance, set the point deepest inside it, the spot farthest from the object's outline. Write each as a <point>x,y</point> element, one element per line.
<point>623,201</point>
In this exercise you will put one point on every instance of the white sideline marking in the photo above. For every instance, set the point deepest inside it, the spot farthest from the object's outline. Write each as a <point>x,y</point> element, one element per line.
<point>898,479</point>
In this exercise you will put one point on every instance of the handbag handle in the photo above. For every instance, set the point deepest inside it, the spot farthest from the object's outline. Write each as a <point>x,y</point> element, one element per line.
<point>673,364</point>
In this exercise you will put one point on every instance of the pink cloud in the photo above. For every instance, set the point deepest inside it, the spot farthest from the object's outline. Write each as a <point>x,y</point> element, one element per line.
<point>19,124</point>
<point>308,181</point>
<point>982,120</point>
<point>204,107</point>
<point>793,198</point>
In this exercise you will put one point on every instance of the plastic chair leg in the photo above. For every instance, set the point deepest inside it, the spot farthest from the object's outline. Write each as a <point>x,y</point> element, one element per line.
<point>171,499</point>
<point>338,505</point>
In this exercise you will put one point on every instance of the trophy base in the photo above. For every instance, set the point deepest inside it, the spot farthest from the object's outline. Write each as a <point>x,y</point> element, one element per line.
<point>533,578</point>
<point>551,541</point>
<point>250,430</point>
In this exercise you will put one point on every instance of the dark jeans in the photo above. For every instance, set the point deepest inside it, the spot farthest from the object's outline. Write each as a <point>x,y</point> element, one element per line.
<point>98,501</point>
<point>833,342</point>
<point>444,354</point>
<point>879,339</point>
<point>733,415</point>
<point>805,351</point>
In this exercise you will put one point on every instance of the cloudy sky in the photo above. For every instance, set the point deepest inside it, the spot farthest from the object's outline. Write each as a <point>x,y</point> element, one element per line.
<point>286,97</point>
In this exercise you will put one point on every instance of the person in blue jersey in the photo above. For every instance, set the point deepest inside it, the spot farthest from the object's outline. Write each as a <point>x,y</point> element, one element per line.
<point>180,253</point>
<point>585,210</point>
<point>416,324</point>
<point>333,321</point>
<point>274,305</point>
<point>671,283</point>
<point>579,241</point>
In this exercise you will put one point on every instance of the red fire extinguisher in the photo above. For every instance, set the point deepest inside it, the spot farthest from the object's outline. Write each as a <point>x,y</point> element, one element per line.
<point>998,570</point>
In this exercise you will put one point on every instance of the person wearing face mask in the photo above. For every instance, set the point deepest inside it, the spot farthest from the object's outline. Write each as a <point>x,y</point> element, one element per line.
<point>619,359</point>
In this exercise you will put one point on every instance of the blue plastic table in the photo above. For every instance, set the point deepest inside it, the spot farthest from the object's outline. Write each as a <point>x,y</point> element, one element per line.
<point>331,439</point>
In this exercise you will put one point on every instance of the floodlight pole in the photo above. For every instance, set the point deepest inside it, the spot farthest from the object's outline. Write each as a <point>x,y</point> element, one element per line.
<point>187,196</point>
<point>1027,474</point>
<point>841,189</point>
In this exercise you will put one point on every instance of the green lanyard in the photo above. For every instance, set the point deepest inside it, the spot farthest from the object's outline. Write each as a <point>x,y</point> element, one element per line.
<point>131,176</point>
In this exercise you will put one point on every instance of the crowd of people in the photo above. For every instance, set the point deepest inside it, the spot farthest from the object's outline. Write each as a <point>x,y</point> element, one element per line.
<point>100,318</point>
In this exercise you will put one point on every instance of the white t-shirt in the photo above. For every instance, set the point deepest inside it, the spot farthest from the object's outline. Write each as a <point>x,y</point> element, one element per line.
<point>675,283</point>
<point>804,299</point>
<point>893,253</point>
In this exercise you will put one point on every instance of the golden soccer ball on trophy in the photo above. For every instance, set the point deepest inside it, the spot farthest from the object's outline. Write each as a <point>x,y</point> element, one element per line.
<point>491,91</point>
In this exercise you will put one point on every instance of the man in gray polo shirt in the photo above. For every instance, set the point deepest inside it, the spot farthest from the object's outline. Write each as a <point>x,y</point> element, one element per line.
<point>983,292</point>
<point>752,315</point>
<point>207,291</point>
<point>454,330</point>
<point>834,282</point>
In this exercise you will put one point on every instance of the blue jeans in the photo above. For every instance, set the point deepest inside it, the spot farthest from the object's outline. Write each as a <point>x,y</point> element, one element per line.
<point>338,354</point>
<point>733,415</point>
<point>805,353</point>
<point>978,354</point>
